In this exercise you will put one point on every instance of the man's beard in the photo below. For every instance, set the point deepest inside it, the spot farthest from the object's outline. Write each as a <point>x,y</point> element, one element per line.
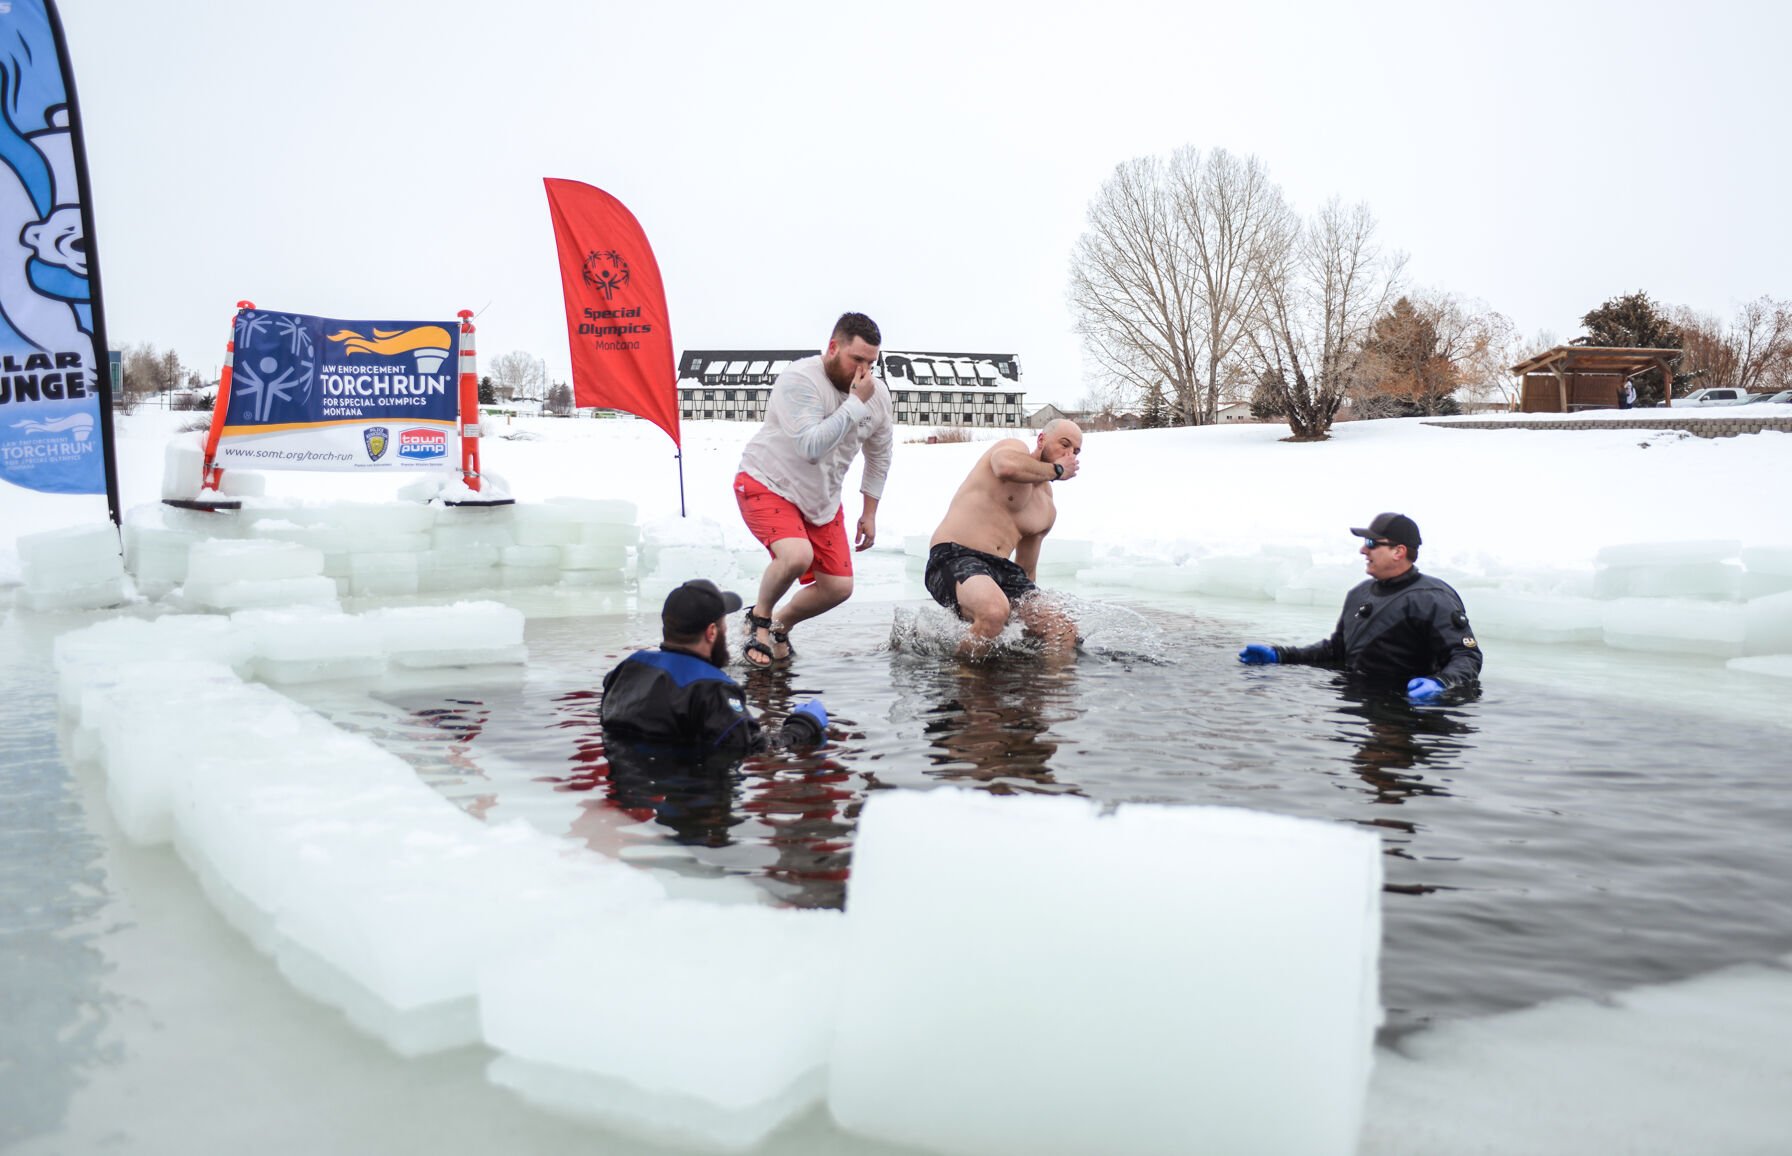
<point>835,368</point>
<point>718,654</point>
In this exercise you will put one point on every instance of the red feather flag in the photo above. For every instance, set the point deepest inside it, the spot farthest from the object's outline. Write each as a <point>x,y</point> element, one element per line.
<point>615,306</point>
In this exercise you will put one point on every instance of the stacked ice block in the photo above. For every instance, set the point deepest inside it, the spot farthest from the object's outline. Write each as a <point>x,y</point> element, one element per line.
<point>80,568</point>
<point>1002,981</point>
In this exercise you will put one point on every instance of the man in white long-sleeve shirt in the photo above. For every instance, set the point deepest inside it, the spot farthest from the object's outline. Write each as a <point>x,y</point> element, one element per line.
<point>823,411</point>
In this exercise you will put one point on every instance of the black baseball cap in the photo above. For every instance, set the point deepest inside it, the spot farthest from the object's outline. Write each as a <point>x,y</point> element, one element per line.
<point>696,604</point>
<point>1396,528</point>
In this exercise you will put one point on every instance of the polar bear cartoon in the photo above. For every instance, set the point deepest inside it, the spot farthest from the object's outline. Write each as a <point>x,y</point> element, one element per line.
<point>46,300</point>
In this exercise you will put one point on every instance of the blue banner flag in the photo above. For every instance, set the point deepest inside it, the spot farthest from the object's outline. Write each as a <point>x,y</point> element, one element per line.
<point>318,393</point>
<point>54,425</point>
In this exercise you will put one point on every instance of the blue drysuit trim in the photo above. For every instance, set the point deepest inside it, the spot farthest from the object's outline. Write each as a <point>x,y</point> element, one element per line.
<point>684,669</point>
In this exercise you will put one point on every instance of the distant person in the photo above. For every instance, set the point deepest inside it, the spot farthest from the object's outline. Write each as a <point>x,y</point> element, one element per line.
<point>679,696</point>
<point>1627,394</point>
<point>984,558</point>
<point>1398,625</point>
<point>823,410</point>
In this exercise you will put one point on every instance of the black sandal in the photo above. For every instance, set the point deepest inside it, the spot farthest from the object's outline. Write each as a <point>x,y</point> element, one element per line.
<point>781,637</point>
<point>756,623</point>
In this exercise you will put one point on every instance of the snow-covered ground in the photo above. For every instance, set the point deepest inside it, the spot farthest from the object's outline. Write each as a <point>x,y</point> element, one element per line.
<point>1525,508</point>
<point>1642,539</point>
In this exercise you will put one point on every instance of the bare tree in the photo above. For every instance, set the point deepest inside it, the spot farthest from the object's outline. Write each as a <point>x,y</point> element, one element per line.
<point>1753,352</point>
<point>1165,279</point>
<point>1098,410</point>
<point>146,370</point>
<point>1477,341</point>
<point>1763,335</point>
<point>1485,347</point>
<point>1323,285</point>
<point>1233,213</point>
<point>1133,290</point>
<point>519,374</point>
<point>171,372</point>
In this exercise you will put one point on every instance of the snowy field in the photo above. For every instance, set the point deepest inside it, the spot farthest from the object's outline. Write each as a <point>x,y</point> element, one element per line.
<point>1515,508</point>
<point>1603,542</point>
<point>1650,540</point>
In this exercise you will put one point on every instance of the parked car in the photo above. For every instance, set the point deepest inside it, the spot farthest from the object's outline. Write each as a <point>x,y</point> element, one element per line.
<point>1714,395</point>
<point>1783,397</point>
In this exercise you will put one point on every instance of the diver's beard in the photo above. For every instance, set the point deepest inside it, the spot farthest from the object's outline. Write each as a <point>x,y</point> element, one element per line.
<point>718,654</point>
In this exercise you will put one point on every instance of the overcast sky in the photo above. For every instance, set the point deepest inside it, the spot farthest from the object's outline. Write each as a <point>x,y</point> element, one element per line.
<point>929,164</point>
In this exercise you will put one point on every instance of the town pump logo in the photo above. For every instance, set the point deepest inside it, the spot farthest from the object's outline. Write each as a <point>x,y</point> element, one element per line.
<point>606,271</point>
<point>422,444</point>
<point>428,344</point>
<point>377,438</point>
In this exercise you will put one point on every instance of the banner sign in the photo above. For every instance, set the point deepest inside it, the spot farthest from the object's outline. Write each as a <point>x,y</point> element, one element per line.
<point>317,393</point>
<point>53,430</point>
<point>615,306</point>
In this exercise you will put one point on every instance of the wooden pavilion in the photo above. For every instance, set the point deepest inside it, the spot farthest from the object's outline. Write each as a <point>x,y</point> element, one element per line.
<point>1575,377</point>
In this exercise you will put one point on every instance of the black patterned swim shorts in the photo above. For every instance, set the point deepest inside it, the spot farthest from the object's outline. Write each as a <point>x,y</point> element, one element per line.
<point>948,564</point>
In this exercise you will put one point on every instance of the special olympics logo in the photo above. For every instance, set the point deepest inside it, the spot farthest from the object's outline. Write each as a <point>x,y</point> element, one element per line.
<point>606,271</point>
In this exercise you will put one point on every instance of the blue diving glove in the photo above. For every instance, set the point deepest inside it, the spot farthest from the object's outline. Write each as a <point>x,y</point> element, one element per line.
<point>1257,654</point>
<point>807,726</point>
<point>1424,689</point>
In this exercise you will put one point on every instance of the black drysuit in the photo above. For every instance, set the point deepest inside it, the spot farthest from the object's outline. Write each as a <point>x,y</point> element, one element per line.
<point>670,698</point>
<point>1396,630</point>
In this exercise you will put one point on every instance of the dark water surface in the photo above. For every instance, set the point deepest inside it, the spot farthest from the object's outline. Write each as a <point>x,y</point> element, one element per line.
<point>1538,843</point>
<point>52,899</point>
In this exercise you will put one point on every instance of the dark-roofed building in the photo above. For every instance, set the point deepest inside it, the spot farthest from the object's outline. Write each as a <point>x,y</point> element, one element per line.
<point>932,389</point>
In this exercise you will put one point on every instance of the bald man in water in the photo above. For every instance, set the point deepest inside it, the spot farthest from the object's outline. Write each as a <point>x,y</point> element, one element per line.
<point>985,555</point>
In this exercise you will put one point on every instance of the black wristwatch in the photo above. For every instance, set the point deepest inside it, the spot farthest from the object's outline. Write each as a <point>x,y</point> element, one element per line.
<point>1057,471</point>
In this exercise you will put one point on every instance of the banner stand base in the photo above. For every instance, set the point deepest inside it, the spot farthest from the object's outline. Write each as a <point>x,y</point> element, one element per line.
<point>482,502</point>
<point>208,505</point>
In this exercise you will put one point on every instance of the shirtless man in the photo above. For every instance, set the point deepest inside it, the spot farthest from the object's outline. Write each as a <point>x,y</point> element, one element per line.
<point>985,555</point>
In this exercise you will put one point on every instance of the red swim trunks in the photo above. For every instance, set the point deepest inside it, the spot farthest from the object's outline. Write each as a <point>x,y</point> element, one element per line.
<point>771,517</point>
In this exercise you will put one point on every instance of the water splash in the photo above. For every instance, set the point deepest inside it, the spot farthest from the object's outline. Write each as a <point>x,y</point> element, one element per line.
<point>931,631</point>
<point>1104,631</point>
<point>1114,633</point>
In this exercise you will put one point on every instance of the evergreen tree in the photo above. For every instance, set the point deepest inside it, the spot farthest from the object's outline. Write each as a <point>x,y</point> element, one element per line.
<point>487,394</point>
<point>1266,398</point>
<point>1156,411</point>
<point>1403,372</point>
<point>1634,320</point>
